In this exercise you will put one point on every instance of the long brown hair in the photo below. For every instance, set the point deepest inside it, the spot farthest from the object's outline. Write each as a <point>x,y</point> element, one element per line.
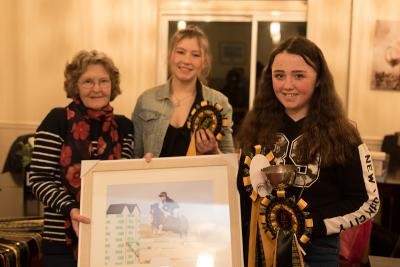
<point>326,130</point>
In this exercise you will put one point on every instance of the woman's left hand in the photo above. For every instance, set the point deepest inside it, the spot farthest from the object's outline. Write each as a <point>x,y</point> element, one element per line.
<point>206,142</point>
<point>76,218</point>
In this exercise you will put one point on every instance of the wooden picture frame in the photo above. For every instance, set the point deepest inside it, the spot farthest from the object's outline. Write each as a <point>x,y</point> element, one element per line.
<point>119,197</point>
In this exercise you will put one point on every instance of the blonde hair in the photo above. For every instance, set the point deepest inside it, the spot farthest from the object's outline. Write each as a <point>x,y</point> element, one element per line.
<point>192,31</point>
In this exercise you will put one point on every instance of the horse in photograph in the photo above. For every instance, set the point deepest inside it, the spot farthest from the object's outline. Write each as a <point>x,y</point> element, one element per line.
<point>165,222</point>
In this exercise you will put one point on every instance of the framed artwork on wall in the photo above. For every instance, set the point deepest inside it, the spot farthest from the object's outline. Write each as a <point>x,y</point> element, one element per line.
<point>232,53</point>
<point>180,212</point>
<point>386,56</point>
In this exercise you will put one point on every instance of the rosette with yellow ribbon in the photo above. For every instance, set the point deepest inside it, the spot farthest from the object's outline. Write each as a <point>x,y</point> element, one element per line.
<point>280,222</point>
<point>205,115</point>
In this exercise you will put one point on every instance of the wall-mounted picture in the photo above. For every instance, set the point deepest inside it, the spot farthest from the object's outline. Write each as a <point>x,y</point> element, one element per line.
<point>176,212</point>
<point>386,56</point>
<point>232,52</point>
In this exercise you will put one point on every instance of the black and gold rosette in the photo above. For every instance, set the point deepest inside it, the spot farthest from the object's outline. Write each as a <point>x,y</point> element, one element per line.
<point>281,222</point>
<point>205,115</point>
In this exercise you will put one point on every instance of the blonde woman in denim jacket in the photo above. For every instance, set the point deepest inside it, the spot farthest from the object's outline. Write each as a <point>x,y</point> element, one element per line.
<point>161,112</point>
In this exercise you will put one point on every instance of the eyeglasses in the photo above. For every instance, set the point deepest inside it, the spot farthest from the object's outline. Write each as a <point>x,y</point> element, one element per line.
<point>89,83</point>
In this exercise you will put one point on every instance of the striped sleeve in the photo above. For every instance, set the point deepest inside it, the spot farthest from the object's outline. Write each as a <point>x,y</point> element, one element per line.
<point>369,208</point>
<point>125,128</point>
<point>45,175</point>
<point>127,146</point>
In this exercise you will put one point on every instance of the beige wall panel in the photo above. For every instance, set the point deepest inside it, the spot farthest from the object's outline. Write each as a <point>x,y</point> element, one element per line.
<point>40,36</point>
<point>328,25</point>
<point>8,58</point>
<point>376,112</point>
<point>48,33</point>
<point>127,30</point>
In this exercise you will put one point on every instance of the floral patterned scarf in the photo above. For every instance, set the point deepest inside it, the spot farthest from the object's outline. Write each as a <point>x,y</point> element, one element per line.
<point>91,134</point>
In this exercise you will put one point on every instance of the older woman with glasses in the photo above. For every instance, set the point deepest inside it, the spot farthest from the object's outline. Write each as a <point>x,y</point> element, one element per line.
<point>85,129</point>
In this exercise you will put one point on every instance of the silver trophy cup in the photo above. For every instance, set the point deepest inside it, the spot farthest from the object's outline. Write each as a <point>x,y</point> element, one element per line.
<point>280,176</point>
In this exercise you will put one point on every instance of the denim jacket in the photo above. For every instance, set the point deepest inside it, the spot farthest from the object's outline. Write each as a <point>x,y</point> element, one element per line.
<point>152,116</point>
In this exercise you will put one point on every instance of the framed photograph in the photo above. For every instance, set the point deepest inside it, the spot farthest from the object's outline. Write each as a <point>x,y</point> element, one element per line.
<point>386,56</point>
<point>232,52</point>
<point>177,212</point>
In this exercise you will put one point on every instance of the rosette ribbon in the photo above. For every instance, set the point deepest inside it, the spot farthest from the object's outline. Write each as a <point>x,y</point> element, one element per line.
<point>204,115</point>
<point>282,223</point>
